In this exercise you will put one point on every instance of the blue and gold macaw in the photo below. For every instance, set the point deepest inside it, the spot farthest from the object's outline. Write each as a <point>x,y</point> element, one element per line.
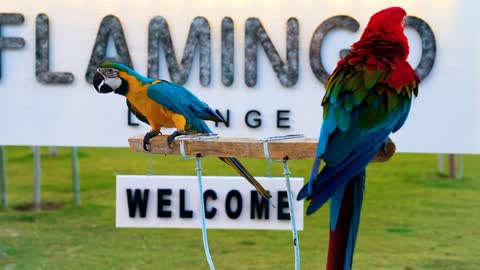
<point>163,104</point>
<point>367,97</point>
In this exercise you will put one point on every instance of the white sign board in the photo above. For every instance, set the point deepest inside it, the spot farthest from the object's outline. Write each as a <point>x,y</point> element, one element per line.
<point>230,203</point>
<point>444,118</point>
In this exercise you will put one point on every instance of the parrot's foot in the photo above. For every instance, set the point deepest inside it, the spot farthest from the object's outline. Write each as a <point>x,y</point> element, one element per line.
<point>175,134</point>
<point>148,136</point>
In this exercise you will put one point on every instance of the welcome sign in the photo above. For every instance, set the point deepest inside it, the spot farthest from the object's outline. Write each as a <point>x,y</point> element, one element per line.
<point>261,64</point>
<point>230,202</point>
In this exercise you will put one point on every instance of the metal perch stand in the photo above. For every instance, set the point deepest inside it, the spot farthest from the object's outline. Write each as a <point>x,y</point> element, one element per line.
<point>198,160</point>
<point>274,149</point>
<point>291,206</point>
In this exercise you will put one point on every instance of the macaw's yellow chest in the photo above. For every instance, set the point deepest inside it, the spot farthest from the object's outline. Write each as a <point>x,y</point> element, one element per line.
<point>157,115</point>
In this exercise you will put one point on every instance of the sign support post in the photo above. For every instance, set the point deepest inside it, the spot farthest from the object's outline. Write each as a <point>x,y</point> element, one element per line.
<point>75,176</point>
<point>3,179</point>
<point>441,164</point>
<point>459,165</point>
<point>36,178</point>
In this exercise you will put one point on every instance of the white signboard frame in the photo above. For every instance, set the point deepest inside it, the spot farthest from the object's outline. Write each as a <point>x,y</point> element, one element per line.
<point>165,193</point>
<point>443,119</point>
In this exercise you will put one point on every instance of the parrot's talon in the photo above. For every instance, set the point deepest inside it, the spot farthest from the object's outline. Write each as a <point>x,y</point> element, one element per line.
<point>171,137</point>
<point>145,146</point>
<point>146,139</point>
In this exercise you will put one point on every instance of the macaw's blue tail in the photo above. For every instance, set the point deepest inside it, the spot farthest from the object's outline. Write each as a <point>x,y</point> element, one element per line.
<point>345,208</point>
<point>332,177</point>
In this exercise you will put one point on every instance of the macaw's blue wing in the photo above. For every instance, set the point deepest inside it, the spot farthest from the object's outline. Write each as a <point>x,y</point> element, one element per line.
<point>346,155</point>
<point>178,99</point>
<point>359,113</point>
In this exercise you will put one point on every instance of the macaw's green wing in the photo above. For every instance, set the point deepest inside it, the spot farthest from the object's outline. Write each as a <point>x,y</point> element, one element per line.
<point>180,100</point>
<point>135,112</point>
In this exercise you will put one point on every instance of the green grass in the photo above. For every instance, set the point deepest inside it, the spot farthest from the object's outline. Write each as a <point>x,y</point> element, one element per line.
<point>412,219</point>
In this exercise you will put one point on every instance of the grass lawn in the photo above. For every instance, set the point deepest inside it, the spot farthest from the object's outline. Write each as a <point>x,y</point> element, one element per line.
<point>412,219</point>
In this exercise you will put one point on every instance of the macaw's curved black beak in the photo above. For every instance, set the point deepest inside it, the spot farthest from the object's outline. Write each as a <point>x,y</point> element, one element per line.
<point>99,84</point>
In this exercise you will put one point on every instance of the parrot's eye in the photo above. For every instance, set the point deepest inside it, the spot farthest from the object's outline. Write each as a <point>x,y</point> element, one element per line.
<point>111,73</point>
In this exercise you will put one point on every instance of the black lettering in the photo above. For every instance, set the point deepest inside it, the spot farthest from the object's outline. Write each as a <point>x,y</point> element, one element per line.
<point>198,36</point>
<point>227,118</point>
<point>109,27</point>
<point>209,214</point>
<point>137,200</point>
<point>161,202</point>
<point>336,22</point>
<point>282,205</point>
<point>258,206</point>
<point>287,73</point>
<point>183,212</point>
<point>281,117</point>
<point>251,121</point>
<point>228,204</point>
<point>14,43</point>
<point>42,55</point>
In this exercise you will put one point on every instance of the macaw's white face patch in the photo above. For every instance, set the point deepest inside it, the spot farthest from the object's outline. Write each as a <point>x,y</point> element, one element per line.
<point>114,83</point>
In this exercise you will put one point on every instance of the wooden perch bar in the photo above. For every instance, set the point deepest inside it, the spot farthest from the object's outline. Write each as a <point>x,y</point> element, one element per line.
<point>299,148</point>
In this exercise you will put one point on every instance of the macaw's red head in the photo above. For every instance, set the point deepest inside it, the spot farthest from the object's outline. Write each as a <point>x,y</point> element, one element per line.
<point>384,34</point>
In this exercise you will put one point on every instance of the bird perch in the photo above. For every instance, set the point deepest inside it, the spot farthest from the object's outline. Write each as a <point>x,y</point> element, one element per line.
<point>299,148</point>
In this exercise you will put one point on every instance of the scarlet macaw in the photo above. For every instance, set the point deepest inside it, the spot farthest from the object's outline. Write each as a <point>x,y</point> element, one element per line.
<point>367,97</point>
<point>163,104</point>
